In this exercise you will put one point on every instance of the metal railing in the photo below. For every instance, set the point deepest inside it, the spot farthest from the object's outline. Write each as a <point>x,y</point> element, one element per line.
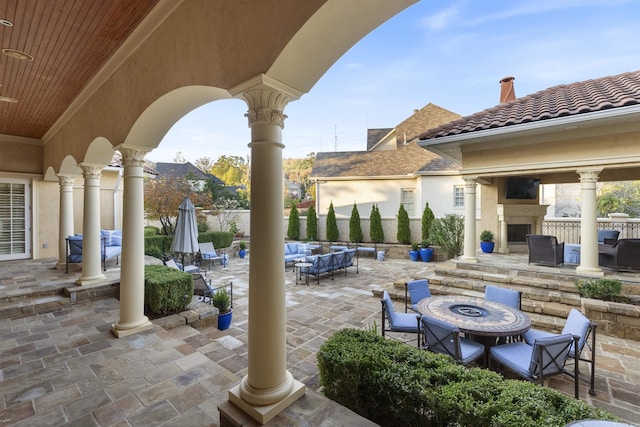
<point>568,229</point>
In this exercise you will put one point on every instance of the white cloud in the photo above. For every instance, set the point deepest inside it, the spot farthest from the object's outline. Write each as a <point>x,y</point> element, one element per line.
<point>441,20</point>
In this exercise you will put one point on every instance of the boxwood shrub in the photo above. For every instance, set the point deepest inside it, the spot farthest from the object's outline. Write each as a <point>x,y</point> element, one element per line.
<point>166,290</point>
<point>220,239</point>
<point>394,384</point>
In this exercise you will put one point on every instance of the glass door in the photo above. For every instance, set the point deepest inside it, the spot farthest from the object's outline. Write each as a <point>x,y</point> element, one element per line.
<point>14,219</point>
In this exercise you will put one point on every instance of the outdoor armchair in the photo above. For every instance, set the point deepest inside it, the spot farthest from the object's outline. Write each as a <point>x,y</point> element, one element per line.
<point>608,236</point>
<point>547,356</point>
<point>74,251</point>
<point>178,266</point>
<point>577,324</point>
<point>416,290</point>
<point>393,321</point>
<point>623,255</point>
<point>444,338</point>
<point>545,250</point>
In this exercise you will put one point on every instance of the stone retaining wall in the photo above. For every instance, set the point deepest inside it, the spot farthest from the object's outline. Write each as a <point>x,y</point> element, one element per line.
<point>614,318</point>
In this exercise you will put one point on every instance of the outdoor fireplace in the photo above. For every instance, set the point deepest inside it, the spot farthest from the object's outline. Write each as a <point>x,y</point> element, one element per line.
<point>517,233</point>
<point>516,221</point>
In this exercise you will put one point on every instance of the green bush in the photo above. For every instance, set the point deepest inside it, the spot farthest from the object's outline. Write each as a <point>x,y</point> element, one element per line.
<point>355,229</point>
<point>376,232</point>
<point>166,290</point>
<point>312,224</point>
<point>332,225</point>
<point>448,233</point>
<point>151,230</point>
<point>153,251</point>
<point>404,229</point>
<point>293,230</point>
<point>161,242</point>
<point>602,288</point>
<point>394,384</point>
<point>203,226</point>
<point>427,220</point>
<point>220,239</point>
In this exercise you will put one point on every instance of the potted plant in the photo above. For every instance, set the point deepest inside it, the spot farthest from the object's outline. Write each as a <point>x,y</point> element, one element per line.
<point>243,249</point>
<point>486,241</point>
<point>426,253</point>
<point>222,301</point>
<point>413,253</point>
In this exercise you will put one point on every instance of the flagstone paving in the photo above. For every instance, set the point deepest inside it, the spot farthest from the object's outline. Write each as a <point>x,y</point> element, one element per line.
<point>65,367</point>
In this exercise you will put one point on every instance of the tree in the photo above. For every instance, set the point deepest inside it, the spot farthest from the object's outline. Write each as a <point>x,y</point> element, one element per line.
<point>375,226</point>
<point>427,219</point>
<point>230,169</point>
<point>621,197</point>
<point>312,224</point>
<point>448,233</point>
<point>162,198</point>
<point>204,164</point>
<point>299,171</point>
<point>332,225</point>
<point>293,232</point>
<point>404,230</point>
<point>225,212</point>
<point>355,229</point>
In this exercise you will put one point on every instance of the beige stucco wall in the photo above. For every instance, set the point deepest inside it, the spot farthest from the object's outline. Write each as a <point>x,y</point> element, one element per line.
<point>20,155</point>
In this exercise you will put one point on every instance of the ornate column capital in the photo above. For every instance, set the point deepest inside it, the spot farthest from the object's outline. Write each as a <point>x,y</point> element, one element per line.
<point>589,174</point>
<point>90,170</point>
<point>132,155</point>
<point>470,183</point>
<point>66,180</point>
<point>266,98</point>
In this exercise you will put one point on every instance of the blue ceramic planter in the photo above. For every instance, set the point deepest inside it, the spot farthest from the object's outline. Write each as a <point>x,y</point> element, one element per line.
<point>414,255</point>
<point>224,320</point>
<point>487,247</point>
<point>426,254</point>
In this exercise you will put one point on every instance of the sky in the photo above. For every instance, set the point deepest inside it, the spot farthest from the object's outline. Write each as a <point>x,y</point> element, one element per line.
<point>449,53</point>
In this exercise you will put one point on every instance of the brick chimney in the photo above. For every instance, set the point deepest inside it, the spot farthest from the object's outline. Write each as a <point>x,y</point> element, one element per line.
<point>507,93</point>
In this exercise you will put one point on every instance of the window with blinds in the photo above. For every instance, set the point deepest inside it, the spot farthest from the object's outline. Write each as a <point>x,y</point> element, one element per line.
<point>13,220</point>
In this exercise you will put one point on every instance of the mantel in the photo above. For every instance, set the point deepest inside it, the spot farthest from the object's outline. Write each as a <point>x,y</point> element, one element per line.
<point>521,210</point>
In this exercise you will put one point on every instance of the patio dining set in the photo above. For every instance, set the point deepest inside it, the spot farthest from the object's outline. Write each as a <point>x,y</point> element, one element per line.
<point>492,332</point>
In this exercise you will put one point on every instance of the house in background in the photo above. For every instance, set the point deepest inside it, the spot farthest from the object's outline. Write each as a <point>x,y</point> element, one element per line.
<point>188,171</point>
<point>394,170</point>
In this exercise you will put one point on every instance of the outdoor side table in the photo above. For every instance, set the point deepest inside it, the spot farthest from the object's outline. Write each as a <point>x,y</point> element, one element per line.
<point>298,267</point>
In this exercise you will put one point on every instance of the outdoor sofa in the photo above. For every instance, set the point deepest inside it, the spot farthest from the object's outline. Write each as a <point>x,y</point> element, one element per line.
<point>297,251</point>
<point>545,250</point>
<point>111,248</point>
<point>329,263</point>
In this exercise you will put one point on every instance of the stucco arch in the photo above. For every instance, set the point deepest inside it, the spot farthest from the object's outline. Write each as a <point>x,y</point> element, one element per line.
<point>100,152</point>
<point>154,123</point>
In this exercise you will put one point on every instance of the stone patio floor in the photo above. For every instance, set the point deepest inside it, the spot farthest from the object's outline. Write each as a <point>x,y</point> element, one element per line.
<point>65,367</point>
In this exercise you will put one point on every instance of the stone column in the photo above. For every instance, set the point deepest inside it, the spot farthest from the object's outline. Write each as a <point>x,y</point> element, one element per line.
<point>268,388</point>
<point>470,241</point>
<point>132,318</point>
<point>503,219</point>
<point>65,222</point>
<point>589,224</point>
<point>91,239</point>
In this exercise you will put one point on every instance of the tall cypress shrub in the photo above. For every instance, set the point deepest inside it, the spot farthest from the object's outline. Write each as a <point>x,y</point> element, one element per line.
<point>404,230</point>
<point>375,225</point>
<point>293,231</point>
<point>332,225</point>
<point>355,229</point>
<point>312,224</point>
<point>427,220</point>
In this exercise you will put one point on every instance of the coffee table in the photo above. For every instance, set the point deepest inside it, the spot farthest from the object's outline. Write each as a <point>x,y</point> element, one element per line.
<point>298,267</point>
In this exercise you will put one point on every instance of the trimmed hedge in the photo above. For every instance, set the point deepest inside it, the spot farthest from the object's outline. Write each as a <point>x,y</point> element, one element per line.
<point>166,290</point>
<point>394,384</point>
<point>220,239</point>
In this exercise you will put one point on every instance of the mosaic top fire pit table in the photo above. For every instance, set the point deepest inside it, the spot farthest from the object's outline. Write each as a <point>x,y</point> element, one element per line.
<point>483,320</point>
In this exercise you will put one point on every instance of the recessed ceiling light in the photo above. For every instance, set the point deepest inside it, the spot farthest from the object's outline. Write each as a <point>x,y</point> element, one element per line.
<point>6,23</point>
<point>7,99</point>
<point>17,54</point>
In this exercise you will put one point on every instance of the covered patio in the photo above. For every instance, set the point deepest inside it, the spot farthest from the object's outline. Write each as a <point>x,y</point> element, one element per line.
<point>65,367</point>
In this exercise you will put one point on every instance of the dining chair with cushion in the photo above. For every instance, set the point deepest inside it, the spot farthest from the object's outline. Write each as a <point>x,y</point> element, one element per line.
<point>444,338</point>
<point>547,356</point>
<point>579,325</point>
<point>503,296</point>
<point>393,321</point>
<point>414,291</point>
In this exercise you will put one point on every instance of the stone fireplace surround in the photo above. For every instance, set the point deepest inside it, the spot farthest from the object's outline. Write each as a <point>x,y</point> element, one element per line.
<point>522,215</point>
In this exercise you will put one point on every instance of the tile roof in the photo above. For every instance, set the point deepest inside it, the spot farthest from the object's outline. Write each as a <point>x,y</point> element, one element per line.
<point>180,170</point>
<point>559,101</point>
<point>406,160</point>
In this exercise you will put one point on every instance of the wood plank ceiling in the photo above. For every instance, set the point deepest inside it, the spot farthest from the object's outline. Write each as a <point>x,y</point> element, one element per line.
<point>69,40</point>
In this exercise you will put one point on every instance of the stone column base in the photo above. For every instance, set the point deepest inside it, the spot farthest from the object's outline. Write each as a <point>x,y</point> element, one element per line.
<point>236,415</point>
<point>119,333</point>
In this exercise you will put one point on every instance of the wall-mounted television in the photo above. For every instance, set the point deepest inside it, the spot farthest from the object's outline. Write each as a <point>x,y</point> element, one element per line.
<point>522,188</point>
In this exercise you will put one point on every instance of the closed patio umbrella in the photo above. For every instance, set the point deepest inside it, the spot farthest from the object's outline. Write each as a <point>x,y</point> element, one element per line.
<point>185,238</point>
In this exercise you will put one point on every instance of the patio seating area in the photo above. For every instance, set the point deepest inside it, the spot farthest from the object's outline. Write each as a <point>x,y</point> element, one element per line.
<point>65,367</point>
